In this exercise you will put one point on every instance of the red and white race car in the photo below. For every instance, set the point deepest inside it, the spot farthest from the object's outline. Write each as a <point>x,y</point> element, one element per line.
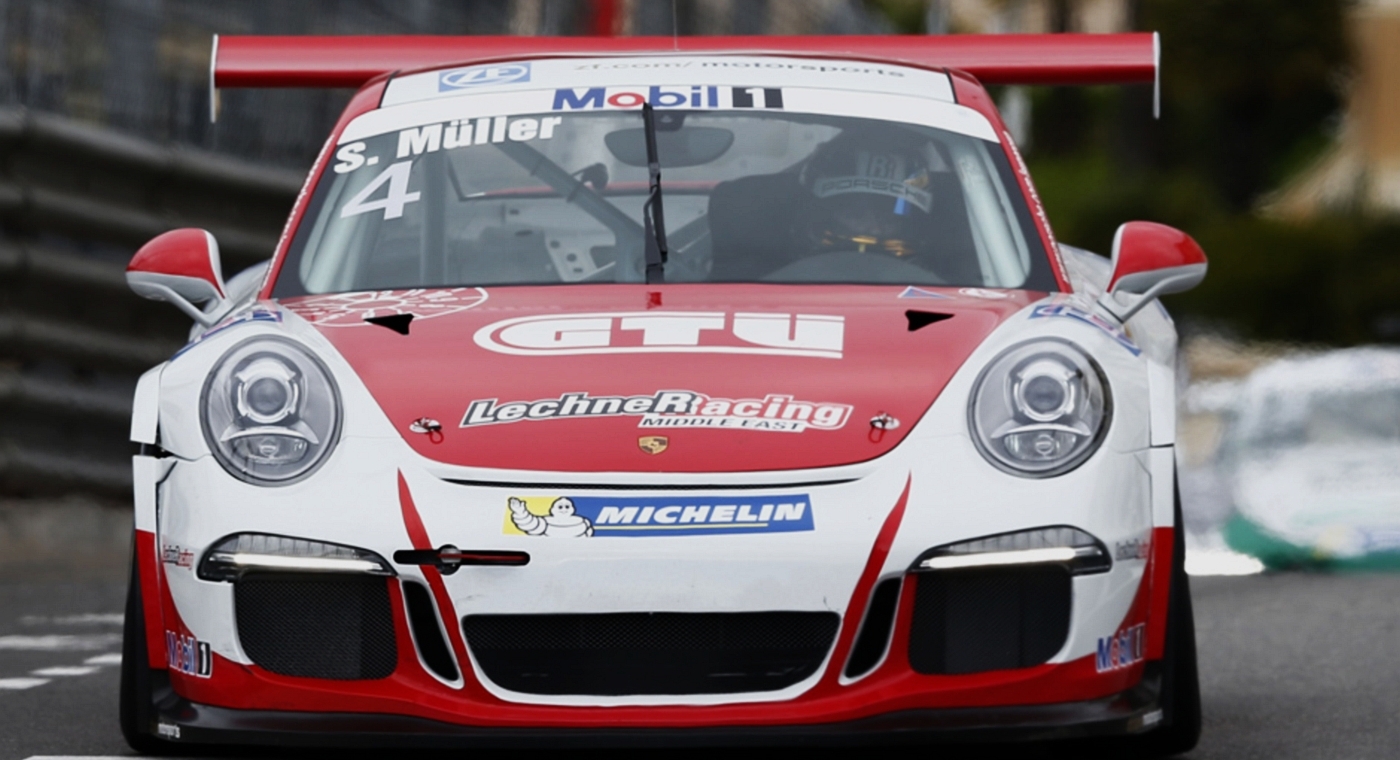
<point>513,442</point>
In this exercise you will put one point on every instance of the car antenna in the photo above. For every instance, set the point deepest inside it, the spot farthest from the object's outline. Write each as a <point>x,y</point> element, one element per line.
<point>653,217</point>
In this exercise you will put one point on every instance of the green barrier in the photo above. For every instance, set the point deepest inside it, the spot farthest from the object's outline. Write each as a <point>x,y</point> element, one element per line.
<point>1246,536</point>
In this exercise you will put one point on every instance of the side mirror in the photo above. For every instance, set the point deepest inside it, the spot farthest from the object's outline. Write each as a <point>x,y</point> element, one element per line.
<point>182,267</point>
<point>1151,260</point>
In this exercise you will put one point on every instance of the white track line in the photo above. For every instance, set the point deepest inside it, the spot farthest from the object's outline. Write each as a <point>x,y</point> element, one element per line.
<point>65,670</point>
<point>90,618</point>
<point>14,684</point>
<point>114,658</point>
<point>61,642</point>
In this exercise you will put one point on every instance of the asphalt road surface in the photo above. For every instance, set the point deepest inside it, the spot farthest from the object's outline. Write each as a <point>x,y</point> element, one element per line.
<point>1292,666</point>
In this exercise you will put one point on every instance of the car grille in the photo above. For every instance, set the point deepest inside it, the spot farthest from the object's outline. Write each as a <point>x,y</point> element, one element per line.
<point>650,653</point>
<point>969,621</point>
<point>316,626</point>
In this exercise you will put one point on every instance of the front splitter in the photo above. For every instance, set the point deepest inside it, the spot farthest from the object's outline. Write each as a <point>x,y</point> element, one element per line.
<point>1129,712</point>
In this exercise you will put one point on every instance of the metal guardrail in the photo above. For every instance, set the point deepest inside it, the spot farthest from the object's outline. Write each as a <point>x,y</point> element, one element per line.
<point>75,202</point>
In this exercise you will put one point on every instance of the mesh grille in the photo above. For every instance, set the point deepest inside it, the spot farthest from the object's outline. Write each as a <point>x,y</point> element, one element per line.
<point>335,627</point>
<point>650,653</point>
<point>969,621</point>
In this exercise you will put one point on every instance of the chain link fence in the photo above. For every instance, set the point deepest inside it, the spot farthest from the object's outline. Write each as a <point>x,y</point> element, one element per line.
<point>142,66</point>
<point>105,142</point>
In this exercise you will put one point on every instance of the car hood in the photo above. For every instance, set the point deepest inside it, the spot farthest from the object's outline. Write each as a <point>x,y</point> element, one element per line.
<point>675,378</point>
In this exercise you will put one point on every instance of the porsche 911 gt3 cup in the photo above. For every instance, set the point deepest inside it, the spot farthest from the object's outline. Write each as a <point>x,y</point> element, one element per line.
<point>732,394</point>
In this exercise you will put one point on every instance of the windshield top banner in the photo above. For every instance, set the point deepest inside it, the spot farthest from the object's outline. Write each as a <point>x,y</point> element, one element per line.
<point>740,71</point>
<point>486,102</point>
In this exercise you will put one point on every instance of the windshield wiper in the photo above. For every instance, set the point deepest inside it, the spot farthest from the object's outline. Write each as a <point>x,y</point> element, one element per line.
<point>653,217</point>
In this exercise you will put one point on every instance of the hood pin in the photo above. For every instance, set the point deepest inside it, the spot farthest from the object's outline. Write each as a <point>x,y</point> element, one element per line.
<point>879,424</point>
<point>427,426</point>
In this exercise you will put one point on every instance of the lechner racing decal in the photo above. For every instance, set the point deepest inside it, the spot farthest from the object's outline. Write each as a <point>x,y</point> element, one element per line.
<point>637,516</point>
<point>670,409</point>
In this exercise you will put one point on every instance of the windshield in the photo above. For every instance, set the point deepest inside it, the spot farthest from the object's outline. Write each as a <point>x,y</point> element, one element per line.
<point>753,192</point>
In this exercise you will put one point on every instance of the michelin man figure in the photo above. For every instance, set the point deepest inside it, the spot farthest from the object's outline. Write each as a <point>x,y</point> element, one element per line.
<point>561,520</point>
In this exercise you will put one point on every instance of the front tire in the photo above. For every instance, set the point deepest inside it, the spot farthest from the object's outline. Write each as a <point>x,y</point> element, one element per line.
<point>137,707</point>
<point>1180,700</point>
<point>1181,688</point>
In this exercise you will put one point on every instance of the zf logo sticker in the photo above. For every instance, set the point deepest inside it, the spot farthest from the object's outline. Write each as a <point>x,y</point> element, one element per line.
<point>188,655</point>
<point>635,516</point>
<point>482,76</point>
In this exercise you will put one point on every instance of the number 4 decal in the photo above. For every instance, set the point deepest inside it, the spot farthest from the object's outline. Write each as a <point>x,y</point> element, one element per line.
<point>393,202</point>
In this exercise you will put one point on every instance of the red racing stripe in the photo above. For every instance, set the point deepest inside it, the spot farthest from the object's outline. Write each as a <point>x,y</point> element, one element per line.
<point>855,609</point>
<point>418,534</point>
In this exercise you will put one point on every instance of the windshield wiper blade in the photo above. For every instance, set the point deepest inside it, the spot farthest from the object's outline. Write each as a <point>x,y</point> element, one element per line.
<point>653,216</point>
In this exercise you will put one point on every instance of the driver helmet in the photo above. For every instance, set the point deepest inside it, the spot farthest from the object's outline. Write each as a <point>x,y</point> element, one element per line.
<point>868,192</point>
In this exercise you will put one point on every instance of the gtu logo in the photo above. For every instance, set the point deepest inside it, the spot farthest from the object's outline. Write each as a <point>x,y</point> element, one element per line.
<point>669,332</point>
<point>481,76</point>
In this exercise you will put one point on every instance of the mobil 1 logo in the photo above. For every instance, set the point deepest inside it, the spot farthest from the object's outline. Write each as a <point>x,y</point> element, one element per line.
<point>692,96</point>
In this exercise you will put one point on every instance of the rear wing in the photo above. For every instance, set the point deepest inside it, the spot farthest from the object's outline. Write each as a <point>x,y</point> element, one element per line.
<point>350,61</point>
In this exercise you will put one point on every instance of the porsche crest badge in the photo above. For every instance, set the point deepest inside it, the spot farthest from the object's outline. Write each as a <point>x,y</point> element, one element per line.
<point>653,444</point>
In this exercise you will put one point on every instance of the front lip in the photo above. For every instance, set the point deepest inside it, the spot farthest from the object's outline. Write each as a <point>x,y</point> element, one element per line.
<point>1127,712</point>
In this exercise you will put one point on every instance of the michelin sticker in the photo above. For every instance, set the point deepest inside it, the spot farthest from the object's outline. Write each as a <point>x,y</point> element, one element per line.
<point>1073,312</point>
<point>636,516</point>
<point>776,413</point>
<point>483,76</point>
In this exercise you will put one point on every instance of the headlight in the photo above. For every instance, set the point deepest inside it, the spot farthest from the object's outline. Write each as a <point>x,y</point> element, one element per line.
<point>1040,409</point>
<point>270,411</point>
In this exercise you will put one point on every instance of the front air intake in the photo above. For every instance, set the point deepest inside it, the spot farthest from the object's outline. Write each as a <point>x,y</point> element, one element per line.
<point>874,634</point>
<point>427,634</point>
<point>650,653</point>
<point>973,620</point>
<point>337,627</point>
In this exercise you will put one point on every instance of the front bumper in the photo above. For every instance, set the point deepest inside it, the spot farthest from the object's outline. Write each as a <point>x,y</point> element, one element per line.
<point>1132,711</point>
<point>832,568</point>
